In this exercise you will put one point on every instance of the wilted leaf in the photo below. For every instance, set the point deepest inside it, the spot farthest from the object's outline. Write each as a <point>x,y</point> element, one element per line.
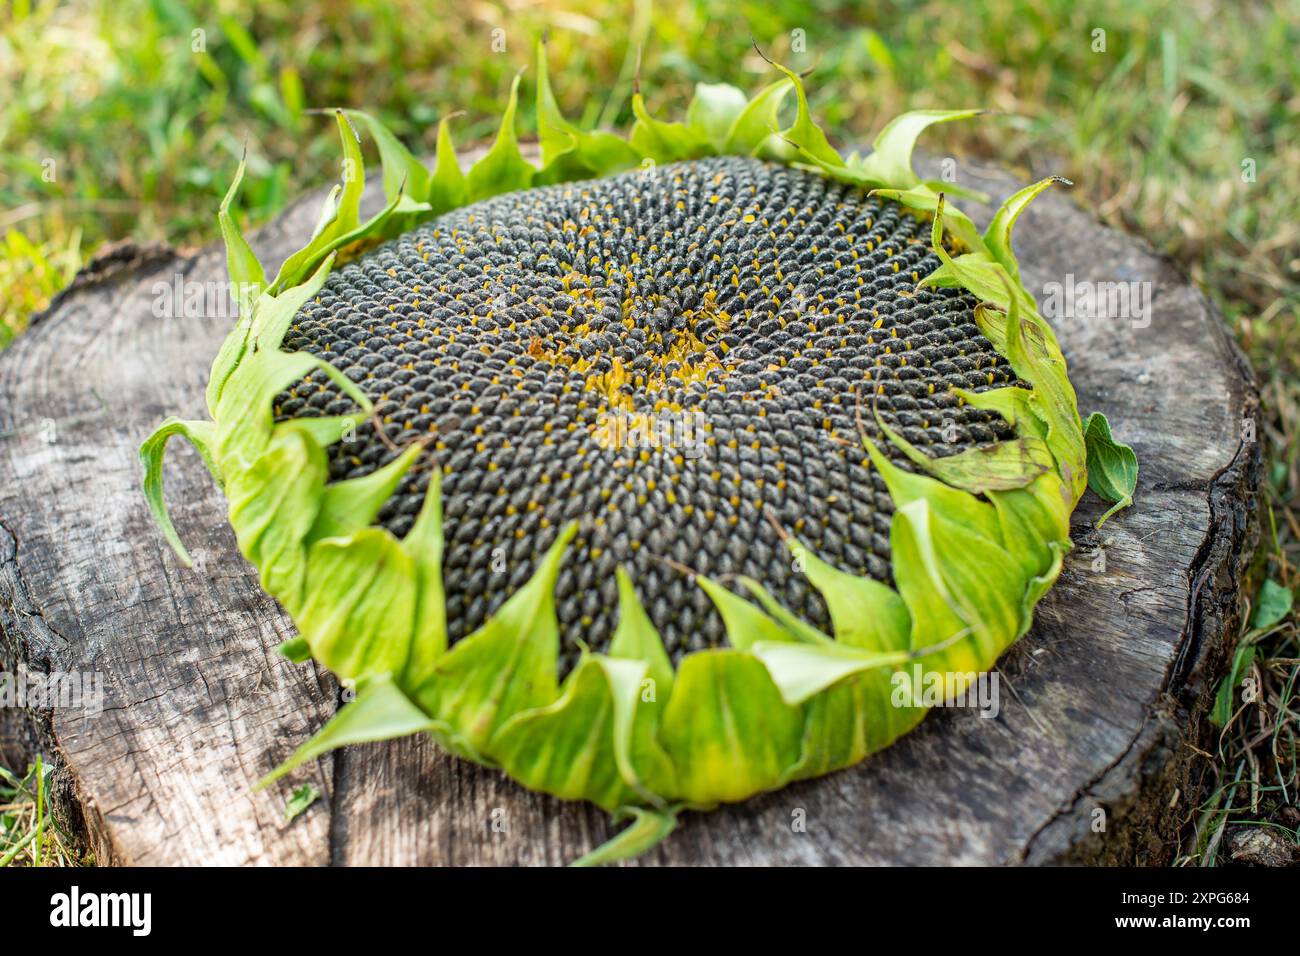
<point>1273,604</point>
<point>1112,465</point>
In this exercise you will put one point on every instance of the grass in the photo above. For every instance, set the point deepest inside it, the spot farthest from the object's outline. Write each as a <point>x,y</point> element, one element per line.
<point>30,834</point>
<point>124,122</point>
<point>1253,777</point>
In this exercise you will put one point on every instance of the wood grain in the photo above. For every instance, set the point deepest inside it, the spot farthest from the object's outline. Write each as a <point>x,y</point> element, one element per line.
<point>1101,702</point>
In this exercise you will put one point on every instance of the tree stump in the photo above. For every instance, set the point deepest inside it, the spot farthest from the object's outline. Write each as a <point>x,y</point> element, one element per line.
<point>1089,761</point>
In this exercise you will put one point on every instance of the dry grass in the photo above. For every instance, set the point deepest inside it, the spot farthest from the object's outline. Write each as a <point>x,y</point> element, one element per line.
<point>30,835</point>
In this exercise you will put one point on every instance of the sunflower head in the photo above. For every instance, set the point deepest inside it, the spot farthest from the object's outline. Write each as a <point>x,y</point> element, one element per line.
<point>642,473</point>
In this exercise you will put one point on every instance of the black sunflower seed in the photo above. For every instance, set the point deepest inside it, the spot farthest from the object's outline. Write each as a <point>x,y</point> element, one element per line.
<point>674,357</point>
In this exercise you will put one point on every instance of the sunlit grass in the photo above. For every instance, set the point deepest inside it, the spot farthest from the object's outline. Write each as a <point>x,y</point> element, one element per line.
<point>30,832</point>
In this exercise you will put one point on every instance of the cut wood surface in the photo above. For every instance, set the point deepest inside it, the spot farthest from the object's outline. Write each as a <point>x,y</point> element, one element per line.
<point>1089,759</point>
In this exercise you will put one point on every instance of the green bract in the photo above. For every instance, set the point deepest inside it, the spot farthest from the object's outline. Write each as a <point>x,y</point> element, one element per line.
<point>976,538</point>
